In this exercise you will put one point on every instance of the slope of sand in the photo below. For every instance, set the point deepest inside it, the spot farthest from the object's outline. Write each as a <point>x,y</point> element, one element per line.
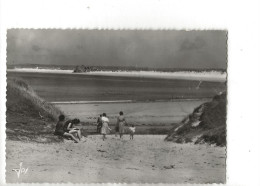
<point>146,159</point>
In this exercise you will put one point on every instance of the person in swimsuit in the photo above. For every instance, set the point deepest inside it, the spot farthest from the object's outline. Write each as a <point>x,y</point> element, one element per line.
<point>68,127</point>
<point>121,123</point>
<point>59,130</point>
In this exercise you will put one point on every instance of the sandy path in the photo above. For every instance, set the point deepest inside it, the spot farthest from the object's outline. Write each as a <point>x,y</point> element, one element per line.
<point>145,159</point>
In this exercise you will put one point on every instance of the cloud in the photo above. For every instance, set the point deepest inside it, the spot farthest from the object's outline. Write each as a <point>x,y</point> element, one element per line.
<point>196,44</point>
<point>144,48</point>
<point>36,48</point>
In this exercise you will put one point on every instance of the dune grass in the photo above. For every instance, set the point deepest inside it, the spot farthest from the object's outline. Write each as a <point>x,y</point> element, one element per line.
<point>21,95</point>
<point>207,124</point>
<point>28,116</point>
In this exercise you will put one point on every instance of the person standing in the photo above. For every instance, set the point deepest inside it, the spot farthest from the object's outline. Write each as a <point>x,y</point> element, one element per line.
<point>99,124</point>
<point>105,128</point>
<point>117,128</point>
<point>121,123</point>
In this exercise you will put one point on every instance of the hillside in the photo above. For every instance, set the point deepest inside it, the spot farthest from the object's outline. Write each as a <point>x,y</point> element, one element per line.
<point>28,116</point>
<point>207,124</point>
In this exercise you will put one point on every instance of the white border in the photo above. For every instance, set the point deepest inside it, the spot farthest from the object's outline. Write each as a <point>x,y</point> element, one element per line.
<point>240,18</point>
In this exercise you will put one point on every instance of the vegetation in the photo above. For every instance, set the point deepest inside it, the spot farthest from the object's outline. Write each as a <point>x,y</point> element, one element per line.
<point>29,117</point>
<point>207,124</point>
<point>87,68</point>
<point>24,95</point>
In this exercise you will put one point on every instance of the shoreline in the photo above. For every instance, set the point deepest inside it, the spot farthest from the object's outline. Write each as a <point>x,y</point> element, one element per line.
<point>213,76</point>
<point>129,101</point>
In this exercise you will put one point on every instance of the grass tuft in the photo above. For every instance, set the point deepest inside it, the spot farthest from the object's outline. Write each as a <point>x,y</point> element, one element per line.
<point>21,96</point>
<point>29,117</point>
<point>211,120</point>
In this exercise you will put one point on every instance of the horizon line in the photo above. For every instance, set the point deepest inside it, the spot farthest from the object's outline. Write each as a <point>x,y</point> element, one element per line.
<point>129,101</point>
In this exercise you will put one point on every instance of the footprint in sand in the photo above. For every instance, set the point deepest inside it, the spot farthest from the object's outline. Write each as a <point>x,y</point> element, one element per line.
<point>132,168</point>
<point>101,150</point>
<point>169,167</point>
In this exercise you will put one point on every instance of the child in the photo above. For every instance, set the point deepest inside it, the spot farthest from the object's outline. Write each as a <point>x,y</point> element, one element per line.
<point>132,131</point>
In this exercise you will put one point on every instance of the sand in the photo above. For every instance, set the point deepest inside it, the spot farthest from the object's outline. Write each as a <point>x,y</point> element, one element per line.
<point>149,113</point>
<point>146,159</point>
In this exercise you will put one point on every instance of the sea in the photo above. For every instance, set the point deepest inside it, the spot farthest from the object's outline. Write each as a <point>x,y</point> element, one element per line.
<point>144,100</point>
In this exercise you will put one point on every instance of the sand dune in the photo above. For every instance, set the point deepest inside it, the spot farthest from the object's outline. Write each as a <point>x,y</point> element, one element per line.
<point>146,159</point>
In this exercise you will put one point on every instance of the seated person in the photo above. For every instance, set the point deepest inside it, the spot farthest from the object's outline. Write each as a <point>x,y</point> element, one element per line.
<point>59,129</point>
<point>68,127</point>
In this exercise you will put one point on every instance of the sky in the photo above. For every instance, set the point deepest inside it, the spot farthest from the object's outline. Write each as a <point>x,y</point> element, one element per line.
<point>139,48</point>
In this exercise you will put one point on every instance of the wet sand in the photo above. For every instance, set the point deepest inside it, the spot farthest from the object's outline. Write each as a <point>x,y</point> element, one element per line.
<point>146,159</point>
<point>148,113</point>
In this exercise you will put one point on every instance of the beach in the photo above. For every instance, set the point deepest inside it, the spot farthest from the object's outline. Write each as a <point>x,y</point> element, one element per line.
<point>153,105</point>
<point>146,159</point>
<point>168,87</point>
<point>136,113</point>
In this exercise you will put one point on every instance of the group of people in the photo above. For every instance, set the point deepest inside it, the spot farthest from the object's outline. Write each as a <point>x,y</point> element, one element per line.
<point>104,129</point>
<point>67,129</point>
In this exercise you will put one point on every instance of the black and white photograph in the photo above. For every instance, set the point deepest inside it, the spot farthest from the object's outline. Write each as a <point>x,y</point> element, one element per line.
<point>116,106</point>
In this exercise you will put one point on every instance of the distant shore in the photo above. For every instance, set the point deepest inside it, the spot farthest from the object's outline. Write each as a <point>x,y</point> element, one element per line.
<point>128,101</point>
<point>214,76</point>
